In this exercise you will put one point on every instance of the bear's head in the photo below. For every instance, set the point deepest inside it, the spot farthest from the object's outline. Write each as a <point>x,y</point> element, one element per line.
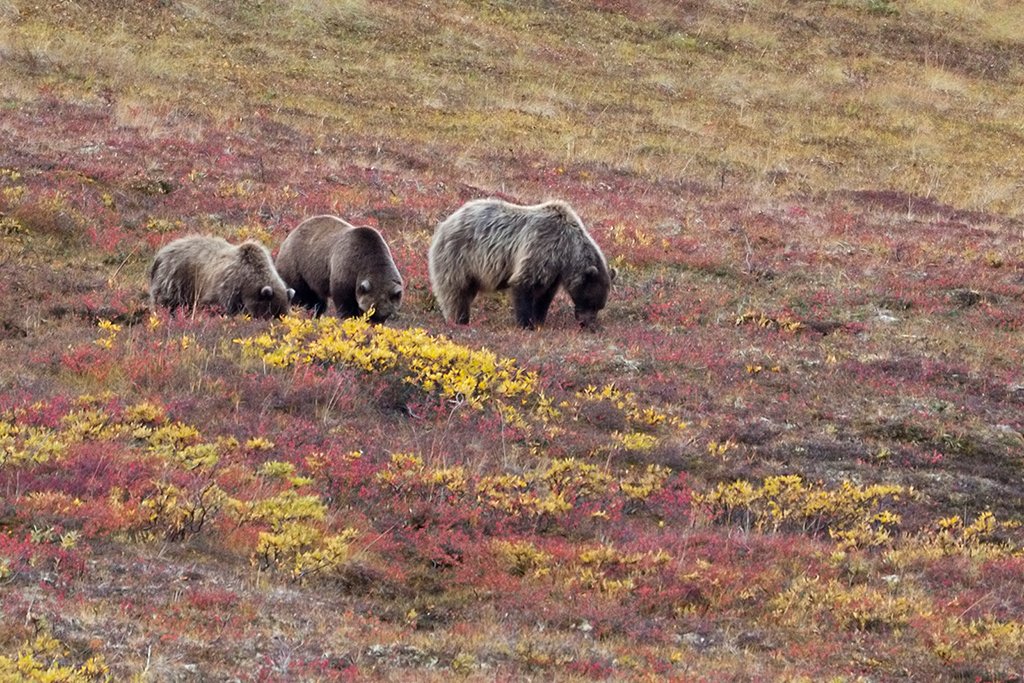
<point>262,292</point>
<point>383,297</point>
<point>589,293</point>
<point>268,301</point>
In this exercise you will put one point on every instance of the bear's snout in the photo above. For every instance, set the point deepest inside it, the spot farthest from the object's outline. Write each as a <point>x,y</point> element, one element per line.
<point>587,319</point>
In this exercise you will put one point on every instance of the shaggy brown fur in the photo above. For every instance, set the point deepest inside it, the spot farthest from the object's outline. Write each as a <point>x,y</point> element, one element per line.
<point>325,257</point>
<point>490,244</point>
<point>211,272</point>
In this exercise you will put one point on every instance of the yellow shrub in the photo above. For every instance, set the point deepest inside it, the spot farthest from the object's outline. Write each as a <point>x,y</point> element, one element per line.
<point>144,412</point>
<point>173,436</point>
<point>287,506</point>
<point>198,456</point>
<point>606,555</point>
<point>258,443</point>
<point>635,441</point>
<point>985,639</point>
<point>952,537</point>
<point>19,445</point>
<point>303,549</point>
<point>178,512</point>
<point>522,557</point>
<point>41,662</point>
<point>571,475</point>
<point>639,486</point>
<point>788,502</point>
<point>404,471</point>
<point>504,492</point>
<point>431,363</point>
<point>860,607</point>
<point>277,470</point>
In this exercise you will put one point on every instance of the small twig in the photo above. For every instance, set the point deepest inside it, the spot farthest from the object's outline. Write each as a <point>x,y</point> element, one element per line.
<point>382,535</point>
<point>126,258</point>
<point>974,604</point>
<point>750,249</point>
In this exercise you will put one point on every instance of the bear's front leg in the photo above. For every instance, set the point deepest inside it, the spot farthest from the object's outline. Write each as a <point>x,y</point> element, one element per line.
<point>523,299</point>
<point>461,316</point>
<point>345,303</point>
<point>319,307</point>
<point>541,304</point>
<point>347,307</point>
<point>307,298</point>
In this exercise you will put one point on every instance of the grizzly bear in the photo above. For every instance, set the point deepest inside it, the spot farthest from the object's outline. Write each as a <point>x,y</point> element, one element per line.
<point>325,257</point>
<point>206,271</point>
<point>490,244</point>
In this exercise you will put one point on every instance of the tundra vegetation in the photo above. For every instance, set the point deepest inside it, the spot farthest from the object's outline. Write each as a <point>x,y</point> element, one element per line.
<point>792,452</point>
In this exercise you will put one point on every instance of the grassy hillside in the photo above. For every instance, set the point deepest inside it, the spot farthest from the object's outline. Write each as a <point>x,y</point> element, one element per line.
<point>792,451</point>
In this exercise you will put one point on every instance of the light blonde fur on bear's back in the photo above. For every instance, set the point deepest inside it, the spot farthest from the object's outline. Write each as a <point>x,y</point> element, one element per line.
<point>206,271</point>
<point>491,244</point>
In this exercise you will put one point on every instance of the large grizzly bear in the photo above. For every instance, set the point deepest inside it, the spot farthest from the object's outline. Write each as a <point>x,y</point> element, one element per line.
<point>325,257</point>
<point>206,271</point>
<point>490,244</point>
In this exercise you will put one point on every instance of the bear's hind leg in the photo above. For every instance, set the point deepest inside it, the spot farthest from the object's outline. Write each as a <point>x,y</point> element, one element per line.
<point>460,311</point>
<point>455,306</point>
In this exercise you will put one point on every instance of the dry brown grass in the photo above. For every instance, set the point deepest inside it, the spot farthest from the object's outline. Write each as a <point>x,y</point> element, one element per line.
<point>780,97</point>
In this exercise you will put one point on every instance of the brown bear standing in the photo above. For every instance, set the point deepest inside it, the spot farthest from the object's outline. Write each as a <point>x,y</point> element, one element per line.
<point>198,271</point>
<point>490,244</point>
<point>325,257</point>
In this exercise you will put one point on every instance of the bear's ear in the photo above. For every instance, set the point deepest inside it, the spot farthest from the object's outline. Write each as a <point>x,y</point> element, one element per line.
<point>612,272</point>
<point>591,271</point>
<point>291,293</point>
<point>267,292</point>
<point>364,286</point>
<point>396,293</point>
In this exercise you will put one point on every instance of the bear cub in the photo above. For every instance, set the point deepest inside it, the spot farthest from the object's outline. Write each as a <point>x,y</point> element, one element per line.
<point>491,244</point>
<point>326,258</point>
<point>199,270</point>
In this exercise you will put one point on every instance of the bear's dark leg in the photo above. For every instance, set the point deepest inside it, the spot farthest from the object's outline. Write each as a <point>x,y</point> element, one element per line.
<point>307,298</point>
<point>345,305</point>
<point>460,303</point>
<point>523,300</point>
<point>319,308</point>
<point>460,315</point>
<point>542,303</point>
